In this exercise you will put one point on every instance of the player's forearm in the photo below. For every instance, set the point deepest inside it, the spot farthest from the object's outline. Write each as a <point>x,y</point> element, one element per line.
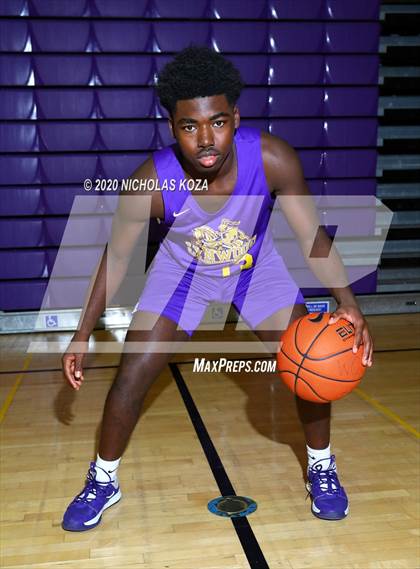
<point>102,288</point>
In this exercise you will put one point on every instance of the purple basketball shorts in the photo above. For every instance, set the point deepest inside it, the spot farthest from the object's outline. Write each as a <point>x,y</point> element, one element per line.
<point>184,295</point>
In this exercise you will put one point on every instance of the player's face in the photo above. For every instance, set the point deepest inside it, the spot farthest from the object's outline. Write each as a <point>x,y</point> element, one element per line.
<point>204,128</point>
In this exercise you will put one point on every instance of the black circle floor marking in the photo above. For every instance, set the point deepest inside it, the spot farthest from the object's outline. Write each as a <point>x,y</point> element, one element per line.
<point>232,506</point>
<point>243,529</point>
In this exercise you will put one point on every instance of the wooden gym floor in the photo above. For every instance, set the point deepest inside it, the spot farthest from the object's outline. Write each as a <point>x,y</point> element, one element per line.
<point>48,437</point>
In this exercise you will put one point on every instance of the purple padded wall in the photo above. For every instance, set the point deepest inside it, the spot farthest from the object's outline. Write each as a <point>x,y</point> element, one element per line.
<point>76,102</point>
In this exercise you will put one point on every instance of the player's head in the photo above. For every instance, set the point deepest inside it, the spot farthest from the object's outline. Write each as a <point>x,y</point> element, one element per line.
<point>197,72</point>
<point>200,88</point>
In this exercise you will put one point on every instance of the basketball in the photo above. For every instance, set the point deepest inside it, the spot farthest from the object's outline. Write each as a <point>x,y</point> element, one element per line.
<point>316,360</point>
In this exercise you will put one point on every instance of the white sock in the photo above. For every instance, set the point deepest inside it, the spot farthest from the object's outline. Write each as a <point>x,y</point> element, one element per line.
<point>319,454</point>
<point>107,466</point>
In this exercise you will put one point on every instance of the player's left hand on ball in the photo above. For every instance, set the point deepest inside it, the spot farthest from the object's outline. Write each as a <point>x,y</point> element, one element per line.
<point>361,330</point>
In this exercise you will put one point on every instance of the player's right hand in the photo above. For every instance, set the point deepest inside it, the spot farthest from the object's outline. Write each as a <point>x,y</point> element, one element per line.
<point>72,360</point>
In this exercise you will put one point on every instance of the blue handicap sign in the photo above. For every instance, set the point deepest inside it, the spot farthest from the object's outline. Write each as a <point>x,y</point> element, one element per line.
<point>51,321</point>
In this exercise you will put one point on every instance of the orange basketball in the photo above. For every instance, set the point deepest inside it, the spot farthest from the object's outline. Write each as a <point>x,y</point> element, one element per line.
<point>316,360</point>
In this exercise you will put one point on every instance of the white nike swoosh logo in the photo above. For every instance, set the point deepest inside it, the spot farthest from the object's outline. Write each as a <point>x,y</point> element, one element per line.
<point>178,213</point>
<point>113,499</point>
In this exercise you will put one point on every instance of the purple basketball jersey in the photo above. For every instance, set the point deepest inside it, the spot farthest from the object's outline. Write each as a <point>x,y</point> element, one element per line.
<point>201,248</point>
<point>229,240</point>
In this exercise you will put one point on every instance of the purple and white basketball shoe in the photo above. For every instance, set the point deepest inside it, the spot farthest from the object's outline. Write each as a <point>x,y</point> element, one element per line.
<point>85,512</point>
<point>329,499</point>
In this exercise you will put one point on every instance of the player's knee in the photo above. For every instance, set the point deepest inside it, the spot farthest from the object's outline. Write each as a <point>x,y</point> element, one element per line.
<point>135,374</point>
<point>125,400</point>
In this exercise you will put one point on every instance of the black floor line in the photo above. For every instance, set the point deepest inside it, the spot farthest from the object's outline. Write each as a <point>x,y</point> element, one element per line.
<point>243,529</point>
<point>189,362</point>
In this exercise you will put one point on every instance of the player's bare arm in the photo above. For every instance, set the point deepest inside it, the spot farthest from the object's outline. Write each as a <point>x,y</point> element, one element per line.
<point>133,211</point>
<point>286,180</point>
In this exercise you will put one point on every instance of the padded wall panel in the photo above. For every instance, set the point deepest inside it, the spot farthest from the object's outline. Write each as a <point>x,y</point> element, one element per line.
<point>58,8</point>
<point>53,35</point>
<point>15,137</point>
<point>70,137</point>
<point>296,102</point>
<point>239,9</point>
<point>351,101</point>
<point>354,10</point>
<point>19,170</point>
<point>20,201</point>
<point>63,265</point>
<point>174,36</point>
<point>122,8</point>
<point>114,36</point>
<point>352,38</point>
<point>253,68</point>
<point>63,69</point>
<point>21,233</point>
<point>126,135</point>
<point>296,70</point>
<point>58,200</point>
<point>12,7</point>
<point>79,103</point>
<point>22,295</point>
<point>240,36</point>
<point>351,69</point>
<point>125,103</point>
<point>13,35</point>
<point>254,102</point>
<point>16,103</point>
<point>124,69</point>
<point>15,69</point>
<point>297,37</point>
<point>67,168</point>
<point>328,133</point>
<point>65,103</point>
<point>23,264</point>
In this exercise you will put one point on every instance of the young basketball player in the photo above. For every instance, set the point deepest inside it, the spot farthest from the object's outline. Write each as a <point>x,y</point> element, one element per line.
<point>217,249</point>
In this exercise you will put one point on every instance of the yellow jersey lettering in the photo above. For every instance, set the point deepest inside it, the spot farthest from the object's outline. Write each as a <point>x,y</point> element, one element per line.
<point>248,262</point>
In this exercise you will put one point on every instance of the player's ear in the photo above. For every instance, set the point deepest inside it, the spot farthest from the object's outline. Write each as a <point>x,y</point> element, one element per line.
<point>171,126</point>
<point>236,116</point>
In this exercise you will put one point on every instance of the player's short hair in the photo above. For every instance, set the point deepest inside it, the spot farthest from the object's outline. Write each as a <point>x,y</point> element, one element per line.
<point>197,72</point>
